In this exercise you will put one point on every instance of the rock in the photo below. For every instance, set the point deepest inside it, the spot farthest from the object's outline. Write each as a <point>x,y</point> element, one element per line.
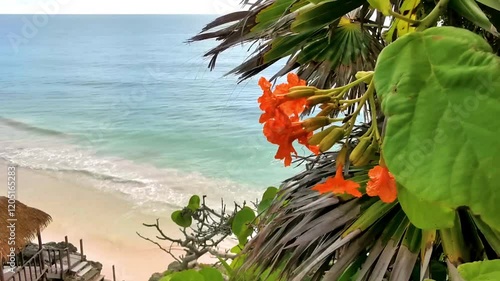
<point>62,245</point>
<point>155,277</point>
<point>29,251</point>
<point>96,265</point>
<point>174,266</point>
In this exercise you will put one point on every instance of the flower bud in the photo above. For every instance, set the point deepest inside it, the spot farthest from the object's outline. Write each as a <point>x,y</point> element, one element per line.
<point>358,151</point>
<point>315,123</point>
<point>297,94</point>
<point>363,74</point>
<point>368,155</point>
<point>332,138</point>
<point>327,110</point>
<point>318,137</point>
<point>315,100</point>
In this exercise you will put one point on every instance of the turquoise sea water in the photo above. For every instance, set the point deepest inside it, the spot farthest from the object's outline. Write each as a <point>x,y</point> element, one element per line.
<point>123,100</point>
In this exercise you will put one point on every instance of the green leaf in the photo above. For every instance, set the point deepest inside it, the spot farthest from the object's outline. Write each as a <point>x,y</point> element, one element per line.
<point>384,6</point>
<point>271,14</point>
<point>187,275</point>
<point>492,236</point>
<point>351,272</point>
<point>181,218</point>
<point>211,274</point>
<point>240,225</point>
<point>440,93</point>
<point>267,199</point>
<point>471,11</point>
<point>166,278</point>
<point>284,46</point>
<point>374,213</point>
<point>419,211</point>
<point>238,261</point>
<point>318,16</point>
<point>480,271</point>
<point>495,4</point>
<point>194,203</point>
<point>227,267</point>
<point>237,249</point>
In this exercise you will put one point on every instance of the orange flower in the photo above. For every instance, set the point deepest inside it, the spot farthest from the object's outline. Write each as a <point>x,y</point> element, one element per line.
<point>281,117</point>
<point>382,184</point>
<point>282,131</point>
<point>338,185</point>
<point>271,101</point>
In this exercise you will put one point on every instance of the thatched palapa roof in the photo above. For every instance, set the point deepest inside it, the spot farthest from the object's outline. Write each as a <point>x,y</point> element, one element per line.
<point>29,221</point>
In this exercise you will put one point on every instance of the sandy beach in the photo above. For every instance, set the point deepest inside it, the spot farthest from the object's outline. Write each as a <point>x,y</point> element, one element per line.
<point>106,222</point>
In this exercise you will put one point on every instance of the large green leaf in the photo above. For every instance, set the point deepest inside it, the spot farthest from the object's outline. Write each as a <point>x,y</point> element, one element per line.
<point>188,275</point>
<point>440,92</point>
<point>211,274</point>
<point>267,199</point>
<point>182,218</point>
<point>419,211</point>
<point>240,225</point>
<point>194,203</point>
<point>166,278</point>
<point>480,271</point>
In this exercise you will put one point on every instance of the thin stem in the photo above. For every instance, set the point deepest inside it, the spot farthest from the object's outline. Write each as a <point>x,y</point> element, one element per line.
<point>333,120</point>
<point>433,16</point>
<point>348,102</point>
<point>364,98</point>
<point>403,18</point>
<point>344,88</point>
<point>374,117</point>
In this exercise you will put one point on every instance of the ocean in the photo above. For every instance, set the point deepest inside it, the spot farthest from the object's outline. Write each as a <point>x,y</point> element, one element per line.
<point>125,103</point>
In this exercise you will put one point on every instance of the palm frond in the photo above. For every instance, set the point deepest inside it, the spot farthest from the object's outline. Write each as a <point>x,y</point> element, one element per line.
<point>306,236</point>
<point>326,43</point>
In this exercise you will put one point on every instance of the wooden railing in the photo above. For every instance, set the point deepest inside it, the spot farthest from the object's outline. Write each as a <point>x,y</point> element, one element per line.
<point>33,269</point>
<point>51,262</point>
<point>56,260</point>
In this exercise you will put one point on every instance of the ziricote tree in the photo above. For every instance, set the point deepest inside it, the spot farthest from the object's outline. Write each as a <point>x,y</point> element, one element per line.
<point>398,102</point>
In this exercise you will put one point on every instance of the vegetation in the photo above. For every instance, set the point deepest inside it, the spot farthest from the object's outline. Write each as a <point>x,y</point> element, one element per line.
<point>397,102</point>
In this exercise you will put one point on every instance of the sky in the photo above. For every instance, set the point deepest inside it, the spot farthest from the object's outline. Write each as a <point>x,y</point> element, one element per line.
<point>118,6</point>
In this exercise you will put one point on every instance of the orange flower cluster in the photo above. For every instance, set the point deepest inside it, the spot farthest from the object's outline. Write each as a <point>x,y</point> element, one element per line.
<point>281,117</point>
<point>339,185</point>
<point>382,184</point>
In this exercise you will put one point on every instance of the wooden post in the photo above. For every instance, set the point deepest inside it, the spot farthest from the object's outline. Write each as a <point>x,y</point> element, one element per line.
<point>1,267</point>
<point>40,257</point>
<point>114,275</point>
<point>81,249</point>
<point>67,252</point>
<point>39,234</point>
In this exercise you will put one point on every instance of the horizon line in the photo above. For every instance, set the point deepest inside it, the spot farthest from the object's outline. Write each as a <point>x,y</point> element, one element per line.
<point>114,14</point>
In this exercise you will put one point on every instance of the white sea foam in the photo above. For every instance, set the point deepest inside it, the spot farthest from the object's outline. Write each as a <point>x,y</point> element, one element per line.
<point>149,187</point>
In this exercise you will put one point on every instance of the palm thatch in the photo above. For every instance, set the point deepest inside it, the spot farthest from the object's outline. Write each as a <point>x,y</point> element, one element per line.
<point>312,237</point>
<point>28,222</point>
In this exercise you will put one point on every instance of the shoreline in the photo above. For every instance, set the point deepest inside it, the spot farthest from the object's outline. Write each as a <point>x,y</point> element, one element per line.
<point>106,222</point>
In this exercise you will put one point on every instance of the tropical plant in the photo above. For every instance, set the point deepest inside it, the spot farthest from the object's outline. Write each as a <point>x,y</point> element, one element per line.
<point>403,184</point>
<point>204,229</point>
